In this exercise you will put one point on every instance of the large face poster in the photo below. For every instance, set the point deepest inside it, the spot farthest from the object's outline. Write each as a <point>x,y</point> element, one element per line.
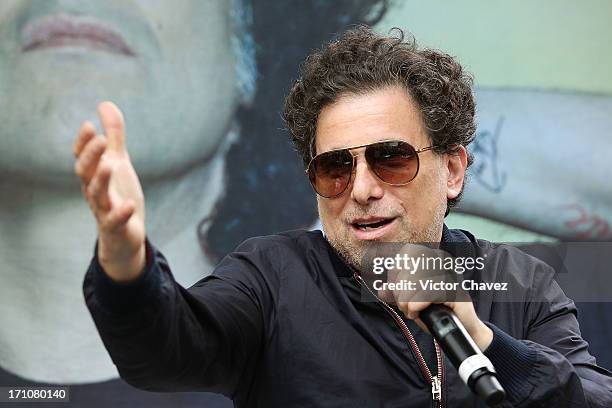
<point>201,84</point>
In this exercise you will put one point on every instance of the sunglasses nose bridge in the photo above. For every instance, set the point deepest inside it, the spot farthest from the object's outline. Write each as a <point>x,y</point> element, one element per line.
<point>364,183</point>
<point>366,159</point>
<point>359,151</point>
<point>356,161</point>
<point>368,164</point>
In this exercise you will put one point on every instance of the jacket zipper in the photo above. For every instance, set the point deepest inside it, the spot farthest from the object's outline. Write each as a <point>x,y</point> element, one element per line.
<point>435,381</point>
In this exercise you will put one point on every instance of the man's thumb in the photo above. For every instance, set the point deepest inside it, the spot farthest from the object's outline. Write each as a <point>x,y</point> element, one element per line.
<point>113,125</point>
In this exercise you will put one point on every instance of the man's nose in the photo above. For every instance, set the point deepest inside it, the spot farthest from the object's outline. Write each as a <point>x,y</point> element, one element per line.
<point>366,186</point>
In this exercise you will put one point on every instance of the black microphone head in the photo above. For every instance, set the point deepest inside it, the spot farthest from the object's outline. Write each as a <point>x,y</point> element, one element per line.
<point>489,389</point>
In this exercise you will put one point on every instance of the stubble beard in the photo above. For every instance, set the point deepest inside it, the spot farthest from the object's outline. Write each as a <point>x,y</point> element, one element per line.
<point>353,252</point>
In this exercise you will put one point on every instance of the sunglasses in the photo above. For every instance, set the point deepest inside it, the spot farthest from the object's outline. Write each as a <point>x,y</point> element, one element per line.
<point>394,162</point>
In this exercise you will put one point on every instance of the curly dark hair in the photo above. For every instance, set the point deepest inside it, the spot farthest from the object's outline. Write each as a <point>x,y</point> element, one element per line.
<point>361,61</point>
<point>266,190</point>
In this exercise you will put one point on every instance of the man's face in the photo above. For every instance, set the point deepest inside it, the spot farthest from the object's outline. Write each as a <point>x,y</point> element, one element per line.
<point>413,212</point>
<point>169,67</point>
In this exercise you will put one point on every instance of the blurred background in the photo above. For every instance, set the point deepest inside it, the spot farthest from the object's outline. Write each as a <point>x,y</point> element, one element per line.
<point>201,84</point>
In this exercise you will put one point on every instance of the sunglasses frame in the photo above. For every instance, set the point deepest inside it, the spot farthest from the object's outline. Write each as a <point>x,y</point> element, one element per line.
<point>416,151</point>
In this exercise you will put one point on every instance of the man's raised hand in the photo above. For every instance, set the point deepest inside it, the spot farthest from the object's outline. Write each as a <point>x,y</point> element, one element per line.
<point>112,189</point>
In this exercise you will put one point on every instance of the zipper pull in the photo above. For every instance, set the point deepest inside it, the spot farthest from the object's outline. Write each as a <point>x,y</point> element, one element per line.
<point>436,389</point>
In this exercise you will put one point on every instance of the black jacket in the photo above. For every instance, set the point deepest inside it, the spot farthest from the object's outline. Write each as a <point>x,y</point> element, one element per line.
<point>281,322</point>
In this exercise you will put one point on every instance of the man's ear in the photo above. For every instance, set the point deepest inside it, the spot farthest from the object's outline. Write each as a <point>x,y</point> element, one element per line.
<point>457,164</point>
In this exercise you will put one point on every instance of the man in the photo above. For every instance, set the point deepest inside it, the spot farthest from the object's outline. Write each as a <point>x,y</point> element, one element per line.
<point>382,128</point>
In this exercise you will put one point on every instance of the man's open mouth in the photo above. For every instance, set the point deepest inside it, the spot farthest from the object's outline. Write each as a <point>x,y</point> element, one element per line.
<point>372,225</point>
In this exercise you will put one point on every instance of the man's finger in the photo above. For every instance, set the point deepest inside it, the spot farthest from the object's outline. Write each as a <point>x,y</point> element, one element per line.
<point>113,125</point>
<point>88,160</point>
<point>98,189</point>
<point>419,306</point>
<point>119,216</point>
<point>86,132</point>
<point>412,309</point>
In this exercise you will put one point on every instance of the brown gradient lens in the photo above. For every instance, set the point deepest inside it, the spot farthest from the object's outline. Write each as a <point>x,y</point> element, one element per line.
<point>393,162</point>
<point>330,172</point>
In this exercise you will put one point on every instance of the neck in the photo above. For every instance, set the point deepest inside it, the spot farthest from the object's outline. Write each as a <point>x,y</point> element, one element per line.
<point>47,236</point>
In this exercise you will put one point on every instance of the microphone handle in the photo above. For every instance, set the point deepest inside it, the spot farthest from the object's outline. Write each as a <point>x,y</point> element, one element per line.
<point>474,368</point>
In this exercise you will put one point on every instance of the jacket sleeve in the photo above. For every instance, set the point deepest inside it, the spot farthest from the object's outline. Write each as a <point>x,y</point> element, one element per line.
<point>551,366</point>
<point>163,337</point>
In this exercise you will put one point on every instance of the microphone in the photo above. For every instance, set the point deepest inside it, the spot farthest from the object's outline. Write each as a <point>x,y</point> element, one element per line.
<point>474,368</point>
